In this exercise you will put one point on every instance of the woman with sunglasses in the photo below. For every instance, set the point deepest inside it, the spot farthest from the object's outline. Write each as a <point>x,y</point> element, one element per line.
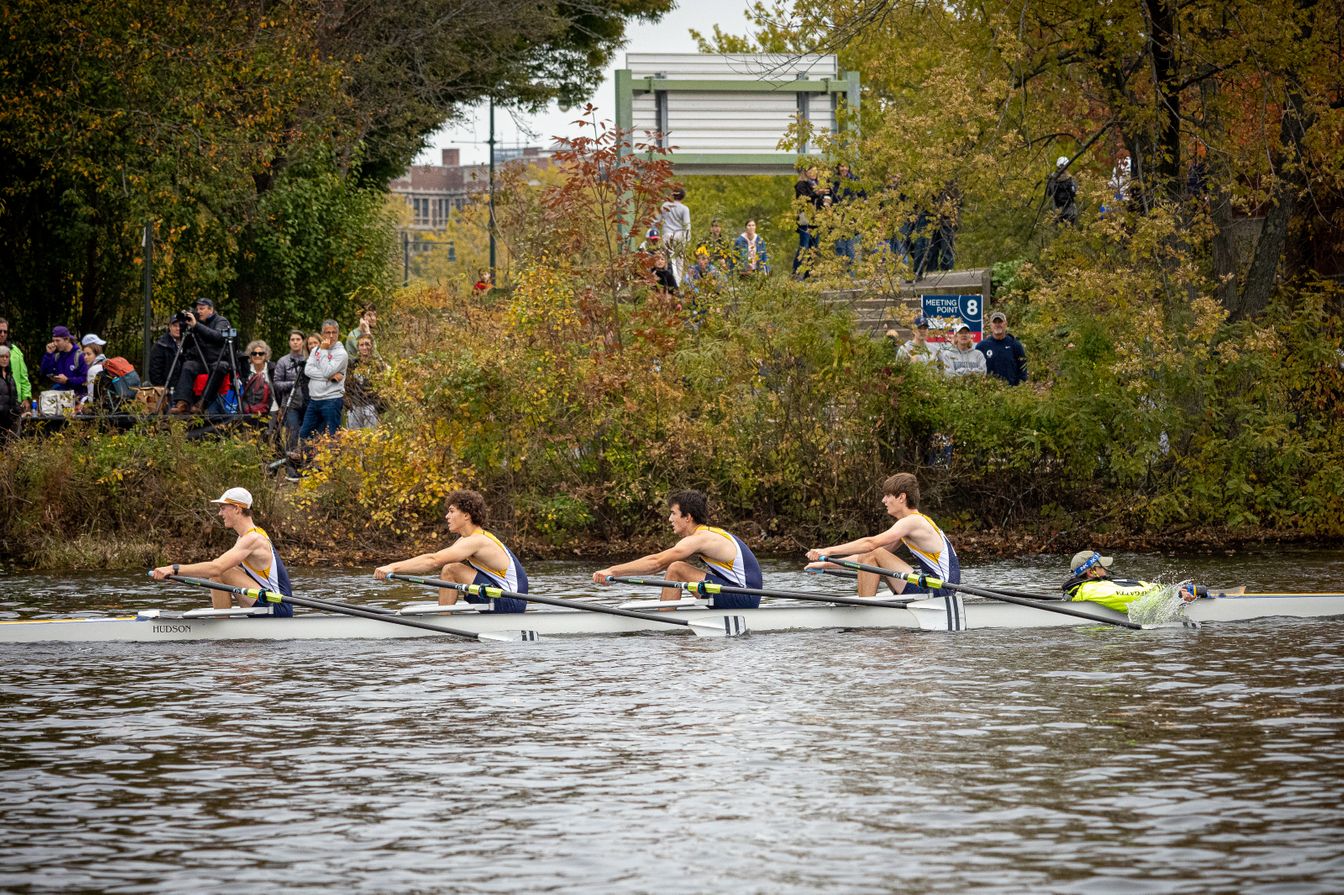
<point>258,393</point>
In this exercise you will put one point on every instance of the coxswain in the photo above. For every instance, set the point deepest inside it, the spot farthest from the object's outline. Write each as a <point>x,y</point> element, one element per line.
<point>251,562</point>
<point>926,542</point>
<point>1093,582</point>
<point>727,559</point>
<point>476,557</point>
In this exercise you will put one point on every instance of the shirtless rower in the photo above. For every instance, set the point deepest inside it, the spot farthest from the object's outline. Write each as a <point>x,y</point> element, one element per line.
<point>476,557</point>
<point>727,559</point>
<point>251,562</point>
<point>925,540</point>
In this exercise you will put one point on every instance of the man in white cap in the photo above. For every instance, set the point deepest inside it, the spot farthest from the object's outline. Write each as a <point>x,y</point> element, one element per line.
<point>250,562</point>
<point>1062,190</point>
<point>1092,582</point>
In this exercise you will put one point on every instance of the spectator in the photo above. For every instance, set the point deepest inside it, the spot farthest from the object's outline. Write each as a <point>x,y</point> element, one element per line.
<point>361,397</point>
<point>1121,181</point>
<point>942,247</point>
<point>63,365</point>
<point>960,357</point>
<point>17,365</point>
<point>720,248</point>
<point>206,343</point>
<point>92,348</point>
<point>898,222</point>
<point>917,349</point>
<point>12,407</point>
<point>919,242</point>
<point>653,241</point>
<point>674,221</point>
<point>325,369</point>
<point>666,279</point>
<point>1004,355</point>
<point>807,198</point>
<point>484,282</point>
<point>259,386</point>
<point>704,269</point>
<point>163,351</point>
<point>291,388</point>
<point>844,190</point>
<point>751,254</point>
<point>368,319</point>
<point>312,341</point>
<point>1061,189</point>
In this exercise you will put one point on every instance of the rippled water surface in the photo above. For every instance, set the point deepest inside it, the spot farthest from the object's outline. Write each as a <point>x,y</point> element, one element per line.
<point>1088,760</point>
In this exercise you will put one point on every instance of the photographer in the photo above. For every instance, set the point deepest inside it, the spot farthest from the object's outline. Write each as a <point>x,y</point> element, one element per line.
<point>210,335</point>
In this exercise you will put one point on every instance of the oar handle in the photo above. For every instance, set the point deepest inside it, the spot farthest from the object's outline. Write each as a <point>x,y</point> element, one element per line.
<point>494,593</point>
<point>928,581</point>
<point>255,593</point>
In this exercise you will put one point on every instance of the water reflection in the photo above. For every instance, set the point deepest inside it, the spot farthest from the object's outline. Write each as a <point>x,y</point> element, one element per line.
<point>1075,760</point>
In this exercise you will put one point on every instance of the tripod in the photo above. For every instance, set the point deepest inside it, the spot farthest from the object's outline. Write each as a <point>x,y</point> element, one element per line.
<point>170,381</point>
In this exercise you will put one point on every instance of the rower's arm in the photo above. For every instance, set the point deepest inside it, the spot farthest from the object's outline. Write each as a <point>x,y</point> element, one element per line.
<point>886,540</point>
<point>231,558</point>
<point>654,562</point>
<point>460,550</point>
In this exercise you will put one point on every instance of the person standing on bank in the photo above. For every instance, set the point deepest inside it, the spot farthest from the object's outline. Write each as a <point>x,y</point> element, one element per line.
<point>205,330</point>
<point>325,369</point>
<point>251,562</point>
<point>17,366</point>
<point>63,364</point>
<point>291,387</point>
<point>959,356</point>
<point>1004,355</point>
<point>162,352</point>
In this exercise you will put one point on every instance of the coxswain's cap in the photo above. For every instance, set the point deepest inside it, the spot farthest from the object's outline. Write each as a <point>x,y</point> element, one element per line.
<point>239,497</point>
<point>1086,559</point>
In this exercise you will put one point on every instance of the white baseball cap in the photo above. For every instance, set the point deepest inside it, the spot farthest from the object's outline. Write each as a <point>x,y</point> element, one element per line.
<point>239,497</point>
<point>92,339</point>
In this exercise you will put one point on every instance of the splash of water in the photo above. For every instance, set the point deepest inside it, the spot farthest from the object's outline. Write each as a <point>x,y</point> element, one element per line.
<point>1159,606</point>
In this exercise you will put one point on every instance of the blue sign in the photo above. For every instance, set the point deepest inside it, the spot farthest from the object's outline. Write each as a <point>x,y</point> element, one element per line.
<point>945,311</point>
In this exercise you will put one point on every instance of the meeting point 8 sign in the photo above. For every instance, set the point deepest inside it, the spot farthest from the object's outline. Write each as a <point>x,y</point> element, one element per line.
<point>945,311</point>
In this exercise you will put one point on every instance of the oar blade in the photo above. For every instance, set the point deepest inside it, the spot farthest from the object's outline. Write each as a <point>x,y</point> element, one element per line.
<point>508,636</point>
<point>725,626</point>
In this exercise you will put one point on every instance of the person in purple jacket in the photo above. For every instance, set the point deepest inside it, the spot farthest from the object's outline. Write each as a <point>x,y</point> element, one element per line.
<point>63,365</point>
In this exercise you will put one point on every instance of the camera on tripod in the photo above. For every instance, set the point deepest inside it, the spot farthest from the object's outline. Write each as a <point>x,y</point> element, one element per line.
<point>182,317</point>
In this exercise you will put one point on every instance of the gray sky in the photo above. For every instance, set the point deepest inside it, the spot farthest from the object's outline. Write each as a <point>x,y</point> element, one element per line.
<point>671,35</point>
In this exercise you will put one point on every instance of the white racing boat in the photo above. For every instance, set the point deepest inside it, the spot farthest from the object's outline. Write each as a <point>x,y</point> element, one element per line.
<point>155,625</point>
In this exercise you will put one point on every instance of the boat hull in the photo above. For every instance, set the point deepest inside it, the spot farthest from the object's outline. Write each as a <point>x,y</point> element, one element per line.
<point>923,615</point>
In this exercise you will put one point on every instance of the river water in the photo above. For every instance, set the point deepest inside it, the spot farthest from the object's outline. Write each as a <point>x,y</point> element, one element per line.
<point>1073,760</point>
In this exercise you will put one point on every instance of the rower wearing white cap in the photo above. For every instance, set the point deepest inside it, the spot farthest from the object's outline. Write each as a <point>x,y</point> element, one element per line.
<point>1092,582</point>
<point>250,562</point>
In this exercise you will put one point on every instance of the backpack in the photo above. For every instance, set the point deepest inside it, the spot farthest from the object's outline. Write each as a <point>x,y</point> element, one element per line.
<point>122,380</point>
<point>257,394</point>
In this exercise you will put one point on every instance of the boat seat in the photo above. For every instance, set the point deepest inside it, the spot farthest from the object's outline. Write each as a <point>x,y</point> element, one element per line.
<point>231,612</point>
<point>438,609</point>
<point>683,603</point>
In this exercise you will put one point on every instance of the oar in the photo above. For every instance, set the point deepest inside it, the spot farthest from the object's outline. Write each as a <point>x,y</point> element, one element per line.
<point>708,587</point>
<point>726,626</point>
<point>1025,594</point>
<point>923,580</point>
<point>381,615</point>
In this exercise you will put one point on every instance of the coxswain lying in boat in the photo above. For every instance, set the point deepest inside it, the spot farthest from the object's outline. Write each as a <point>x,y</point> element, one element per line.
<point>927,543</point>
<point>1092,582</point>
<point>476,557</point>
<point>250,563</point>
<point>727,559</point>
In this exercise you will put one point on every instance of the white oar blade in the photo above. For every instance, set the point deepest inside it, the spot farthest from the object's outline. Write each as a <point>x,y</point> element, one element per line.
<point>726,626</point>
<point>509,636</point>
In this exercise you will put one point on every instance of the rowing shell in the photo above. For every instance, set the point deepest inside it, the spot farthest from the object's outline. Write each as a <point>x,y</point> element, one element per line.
<point>241,624</point>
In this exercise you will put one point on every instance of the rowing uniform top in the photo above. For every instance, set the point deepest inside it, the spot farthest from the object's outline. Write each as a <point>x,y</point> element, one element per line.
<point>272,577</point>
<point>1113,593</point>
<point>743,571</point>
<point>942,564</point>
<point>511,577</point>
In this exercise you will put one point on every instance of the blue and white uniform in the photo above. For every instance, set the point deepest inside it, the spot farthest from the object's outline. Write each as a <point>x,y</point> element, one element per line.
<point>743,571</point>
<point>944,565</point>
<point>273,578</point>
<point>511,577</point>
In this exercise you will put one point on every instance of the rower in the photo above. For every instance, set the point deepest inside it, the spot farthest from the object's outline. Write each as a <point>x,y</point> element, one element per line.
<point>1092,582</point>
<point>251,562</point>
<point>926,542</point>
<point>476,557</point>
<point>727,559</point>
